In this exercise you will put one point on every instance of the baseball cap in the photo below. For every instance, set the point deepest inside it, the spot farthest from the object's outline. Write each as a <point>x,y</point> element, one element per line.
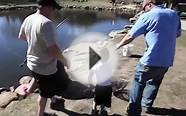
<point>49,3</point>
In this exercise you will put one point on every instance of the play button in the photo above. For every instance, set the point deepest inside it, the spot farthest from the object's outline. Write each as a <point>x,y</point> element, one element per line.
<point>93,57</point>
<point>91,52</point>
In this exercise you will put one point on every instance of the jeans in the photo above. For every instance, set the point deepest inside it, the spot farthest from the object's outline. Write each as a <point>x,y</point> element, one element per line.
<point>145,87</point>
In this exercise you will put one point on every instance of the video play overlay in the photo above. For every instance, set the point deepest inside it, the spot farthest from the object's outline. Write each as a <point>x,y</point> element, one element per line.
<point>92,58</point>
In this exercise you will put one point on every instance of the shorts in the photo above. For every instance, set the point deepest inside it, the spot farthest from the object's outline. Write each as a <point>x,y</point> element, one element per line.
<point>103,95</point>
<point>54,84</point>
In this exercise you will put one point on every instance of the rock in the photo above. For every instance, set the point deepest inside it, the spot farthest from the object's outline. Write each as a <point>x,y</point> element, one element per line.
<point>114,33</point>
<point>79,7</point>
<point>95,8</point>
<point>87,8</point>
<point>128,26</point>
<point>6,98</point>
<point>70,7</point>
<point>26,107</point>
<point>123,3</point>
<point>2,89</point>
<point>12,88</point>
<point>25,80</point>
<point>133,19</point>
<point>139,14</point>
<point>119,85</point>
<point>100,9</point>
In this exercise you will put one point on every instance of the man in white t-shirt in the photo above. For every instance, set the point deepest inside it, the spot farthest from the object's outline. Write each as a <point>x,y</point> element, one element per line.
<point>42,53</point>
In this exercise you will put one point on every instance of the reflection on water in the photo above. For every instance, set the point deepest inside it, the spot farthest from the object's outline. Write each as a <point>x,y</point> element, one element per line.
<point>13,51</point>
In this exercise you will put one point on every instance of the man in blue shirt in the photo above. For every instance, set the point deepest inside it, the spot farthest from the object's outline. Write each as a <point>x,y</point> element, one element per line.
<point>161,27</point>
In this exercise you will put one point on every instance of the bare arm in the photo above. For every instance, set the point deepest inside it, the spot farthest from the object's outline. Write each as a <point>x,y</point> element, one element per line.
<point>55,52</point>
<point>22,36</point>
<point>127,39</point>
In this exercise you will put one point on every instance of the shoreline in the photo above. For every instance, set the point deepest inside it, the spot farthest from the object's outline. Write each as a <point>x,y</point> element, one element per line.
<point>130,9</point>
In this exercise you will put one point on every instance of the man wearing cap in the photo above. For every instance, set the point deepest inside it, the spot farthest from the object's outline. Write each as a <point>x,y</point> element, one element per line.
<point>42,53</point>
<point>161,27</point>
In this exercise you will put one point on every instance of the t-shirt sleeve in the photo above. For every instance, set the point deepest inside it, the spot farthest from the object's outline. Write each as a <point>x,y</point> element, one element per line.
<point>139,27</point>
<point>49,33</point>
<point>22,31</point>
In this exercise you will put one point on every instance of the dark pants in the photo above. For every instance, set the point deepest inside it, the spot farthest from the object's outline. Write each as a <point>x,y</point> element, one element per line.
<point>103,95</point>
<point>54,84</point>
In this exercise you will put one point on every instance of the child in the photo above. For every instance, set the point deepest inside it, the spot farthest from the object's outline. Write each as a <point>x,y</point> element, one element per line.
<point>100,76</point>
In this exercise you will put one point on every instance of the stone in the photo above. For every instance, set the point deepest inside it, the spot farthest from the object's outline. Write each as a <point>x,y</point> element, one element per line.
<point>12,88</point>
<point>95,8</point>
<point>133,19</point>
<point>87,8</point>
<point>25,80</point>
<point>70,7</point>
<point>2,89</point>
<point>119,85</point>
<point>115,33</point>
<point>100,9</point>
<point>6,98</point>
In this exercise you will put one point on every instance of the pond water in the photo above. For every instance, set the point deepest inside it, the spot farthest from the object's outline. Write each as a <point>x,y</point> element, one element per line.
<point>13,51</point>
